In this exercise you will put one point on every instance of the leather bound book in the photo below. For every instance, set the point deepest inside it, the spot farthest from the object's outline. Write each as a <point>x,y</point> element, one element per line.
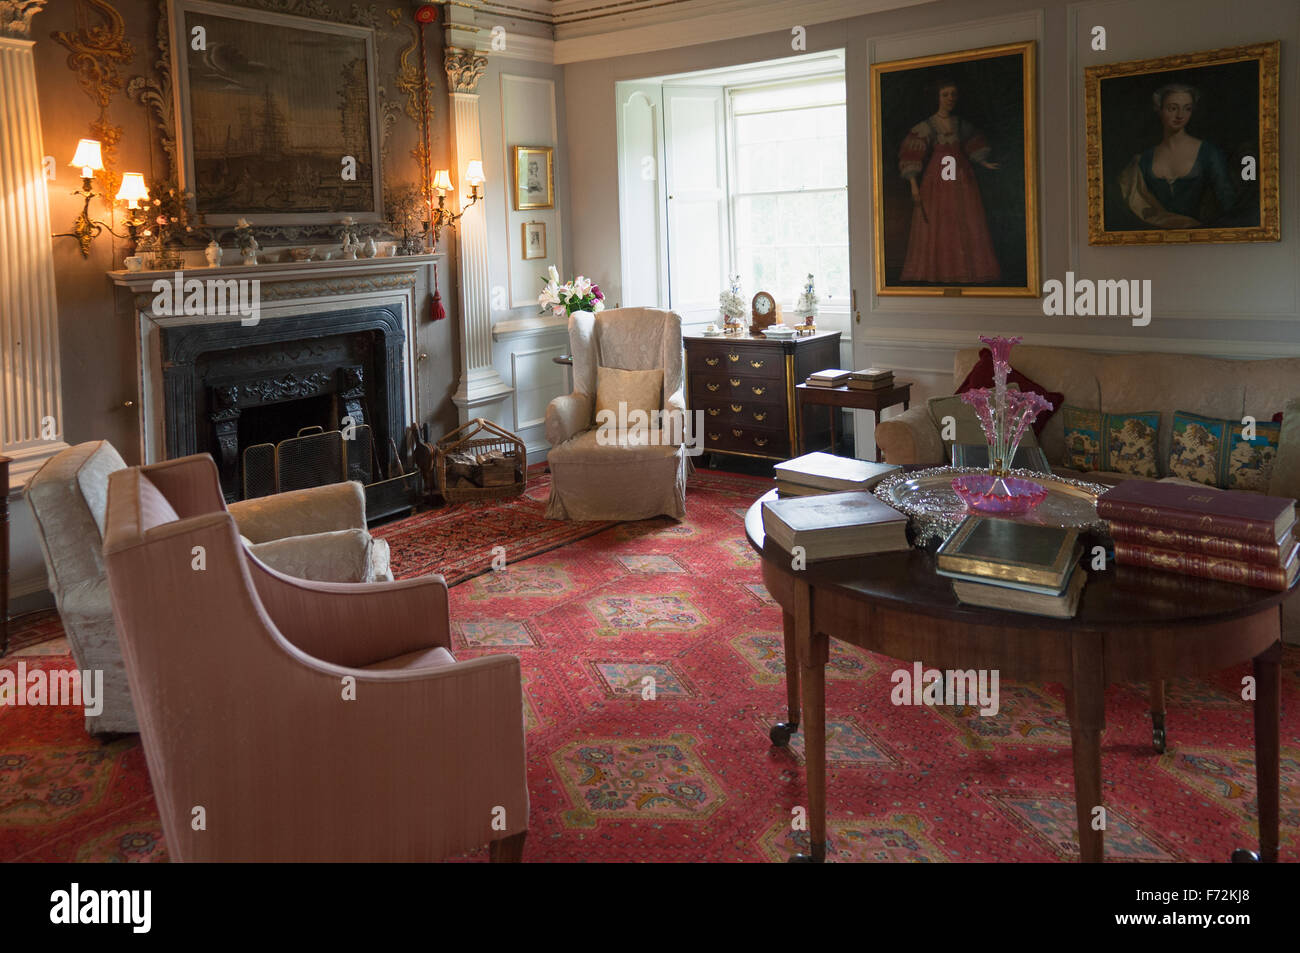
<point>1278,578</point>
<point>825,471</point>
<point>1266,554</point>
<point>1230,513</point>
<point>831,525</point>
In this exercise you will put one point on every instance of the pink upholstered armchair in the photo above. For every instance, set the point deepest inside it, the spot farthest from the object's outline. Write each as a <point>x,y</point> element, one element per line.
<point>299,720</point>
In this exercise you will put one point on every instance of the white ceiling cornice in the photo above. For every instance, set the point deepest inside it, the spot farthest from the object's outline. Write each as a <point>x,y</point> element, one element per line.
<point>598,29</point>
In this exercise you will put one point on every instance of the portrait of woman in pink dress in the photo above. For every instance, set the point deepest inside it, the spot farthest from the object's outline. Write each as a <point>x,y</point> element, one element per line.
<point>949,240</point>
<point>953,165</point>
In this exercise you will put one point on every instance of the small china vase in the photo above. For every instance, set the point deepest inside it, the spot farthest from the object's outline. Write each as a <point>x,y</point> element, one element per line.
<point>250,257</point>
<point>213,254</point>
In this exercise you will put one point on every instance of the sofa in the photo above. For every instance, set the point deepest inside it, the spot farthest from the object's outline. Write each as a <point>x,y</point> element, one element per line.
<point>318,533</point>
<point>1126,383</point>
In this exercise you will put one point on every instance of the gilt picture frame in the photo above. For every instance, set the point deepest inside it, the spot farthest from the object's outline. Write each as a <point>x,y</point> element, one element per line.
<point>534,177</point>
<point>1184,148</point>
<point>955,185</point>
<point>277,115</point>
<point>533,237</point>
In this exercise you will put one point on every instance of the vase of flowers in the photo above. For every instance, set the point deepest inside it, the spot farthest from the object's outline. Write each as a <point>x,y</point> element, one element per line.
<point>169,225</point>
<point>1004,416</point>
<point>580,294</point>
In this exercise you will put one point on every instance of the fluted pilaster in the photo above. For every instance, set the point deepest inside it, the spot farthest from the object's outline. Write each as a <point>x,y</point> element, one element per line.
<point>480,384</point>
<point>31,410</point>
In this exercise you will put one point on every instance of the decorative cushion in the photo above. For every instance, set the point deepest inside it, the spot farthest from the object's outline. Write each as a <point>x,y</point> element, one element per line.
<point>1120,443</point>
<point>637,390</point>
<point>968,429</point>
<point>981,375</point>
<point>1215,451</point>
<point>1286,469</point>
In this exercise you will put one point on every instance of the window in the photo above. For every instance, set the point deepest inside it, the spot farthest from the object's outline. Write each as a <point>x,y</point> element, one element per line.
<point>788,188</point>
<point>735,171</point>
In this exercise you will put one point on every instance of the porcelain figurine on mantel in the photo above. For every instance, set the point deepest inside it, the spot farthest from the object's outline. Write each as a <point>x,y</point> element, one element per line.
<point>213,253</point>
<point>247,241</point>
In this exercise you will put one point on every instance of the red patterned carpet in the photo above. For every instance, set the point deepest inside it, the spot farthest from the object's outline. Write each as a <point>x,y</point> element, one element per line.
<point>689,774</point>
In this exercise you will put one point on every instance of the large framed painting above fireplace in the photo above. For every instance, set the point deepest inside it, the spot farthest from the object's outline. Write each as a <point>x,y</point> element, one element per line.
<point>277,115</point>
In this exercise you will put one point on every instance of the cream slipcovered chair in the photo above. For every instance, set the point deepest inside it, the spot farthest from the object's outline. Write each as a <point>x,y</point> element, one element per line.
<point>312,721</point>
<point>318,533</point>
<point>594,479</point>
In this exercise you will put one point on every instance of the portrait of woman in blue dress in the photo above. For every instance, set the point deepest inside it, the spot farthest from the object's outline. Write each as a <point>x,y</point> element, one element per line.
<point>1182,181</point>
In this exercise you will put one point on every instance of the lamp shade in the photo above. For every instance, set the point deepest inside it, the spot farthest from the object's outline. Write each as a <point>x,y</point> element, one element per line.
<point>442,181</point>
<point>474,173</point>
<point>88,157</point>
<point>133,190</point>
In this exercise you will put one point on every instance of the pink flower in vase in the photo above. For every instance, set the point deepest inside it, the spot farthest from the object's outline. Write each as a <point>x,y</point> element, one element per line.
<point>1001,350</point>
<point>1023,408</point>
<point>980,399</point>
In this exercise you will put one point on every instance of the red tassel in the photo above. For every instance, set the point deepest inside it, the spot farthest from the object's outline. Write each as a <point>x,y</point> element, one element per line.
<point>438,311</point>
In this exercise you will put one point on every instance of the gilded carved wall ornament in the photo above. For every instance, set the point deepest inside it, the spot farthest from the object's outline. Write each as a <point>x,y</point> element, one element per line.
<point>464,69</point>
<point>96,54</point>
<point>16,17</point>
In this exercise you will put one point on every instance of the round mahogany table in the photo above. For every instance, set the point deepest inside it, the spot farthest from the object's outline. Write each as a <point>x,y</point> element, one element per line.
<point>1133,624</point>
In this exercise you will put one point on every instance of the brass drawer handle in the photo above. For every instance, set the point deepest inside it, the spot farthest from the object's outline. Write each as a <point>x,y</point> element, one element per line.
<point>733,358</point>
<point>714,411</point>
<point>714,436</point>
<point>758,391</point>
<point>713,386</point>
<point>762,416</point>
<point>711,361</point>
<point>760,441</point>
<point>737,433</point>
<point>755,364</point>
<point>734,381</point>
<point>737,408</point>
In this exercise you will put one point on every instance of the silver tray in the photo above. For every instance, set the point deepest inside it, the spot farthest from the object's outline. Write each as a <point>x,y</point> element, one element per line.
<point>934,509</point>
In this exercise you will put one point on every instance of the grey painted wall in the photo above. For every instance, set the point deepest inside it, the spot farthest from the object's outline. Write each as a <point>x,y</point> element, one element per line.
<point>1236,300</point>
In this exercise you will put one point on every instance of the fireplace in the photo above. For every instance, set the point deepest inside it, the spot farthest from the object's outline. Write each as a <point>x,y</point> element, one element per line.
<point>228,387</point>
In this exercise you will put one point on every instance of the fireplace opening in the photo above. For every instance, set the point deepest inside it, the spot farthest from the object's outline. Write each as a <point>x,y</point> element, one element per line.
<point>272,423</point>
<point>229,387</point>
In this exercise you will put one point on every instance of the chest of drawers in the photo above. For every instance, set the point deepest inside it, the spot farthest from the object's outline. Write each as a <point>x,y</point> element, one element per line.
<point>745,387</point>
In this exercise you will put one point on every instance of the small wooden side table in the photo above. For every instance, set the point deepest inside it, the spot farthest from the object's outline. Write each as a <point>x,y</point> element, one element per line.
<point>4,554</point>
<point>853,398</point>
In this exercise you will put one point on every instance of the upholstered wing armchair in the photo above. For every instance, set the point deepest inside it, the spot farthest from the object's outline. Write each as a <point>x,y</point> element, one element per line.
<point>69,499</point>
<point>309,721</point>
<point>594,478</point>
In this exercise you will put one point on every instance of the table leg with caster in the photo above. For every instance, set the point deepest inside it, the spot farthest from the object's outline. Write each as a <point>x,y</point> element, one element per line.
<point>1157,693</point>
<point>814,650</point>
<point>781,731</point>
<point>1086,707</point>
<point>1268,688</point>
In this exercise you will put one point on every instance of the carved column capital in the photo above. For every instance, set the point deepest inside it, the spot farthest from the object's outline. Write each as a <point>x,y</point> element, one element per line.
<point>16,17</point>
<point>464,68</point>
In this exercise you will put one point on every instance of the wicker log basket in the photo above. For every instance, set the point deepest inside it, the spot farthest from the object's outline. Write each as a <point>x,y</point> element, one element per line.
<point>480,461</point>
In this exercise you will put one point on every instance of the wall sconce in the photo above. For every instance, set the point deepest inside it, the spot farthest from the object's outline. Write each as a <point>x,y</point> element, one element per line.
<point>133,192</point>
<point>90,160</point>
<point>442,218</point>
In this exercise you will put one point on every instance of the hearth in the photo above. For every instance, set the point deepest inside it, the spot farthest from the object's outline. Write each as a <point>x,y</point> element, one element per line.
<point>228,387</point>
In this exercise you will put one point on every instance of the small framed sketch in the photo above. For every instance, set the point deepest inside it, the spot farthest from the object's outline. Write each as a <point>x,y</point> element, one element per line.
<point>1184,148</point>
<point>534,240</point>
<point>534,178</point>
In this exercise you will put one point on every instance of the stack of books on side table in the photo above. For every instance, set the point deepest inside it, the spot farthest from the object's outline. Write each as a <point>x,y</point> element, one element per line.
<point>815,473</point>
<point>833,525</point>
<point>1226,535</point>
<point>1017,566</point>
<point>831,377</point>
<point>872,378</point>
